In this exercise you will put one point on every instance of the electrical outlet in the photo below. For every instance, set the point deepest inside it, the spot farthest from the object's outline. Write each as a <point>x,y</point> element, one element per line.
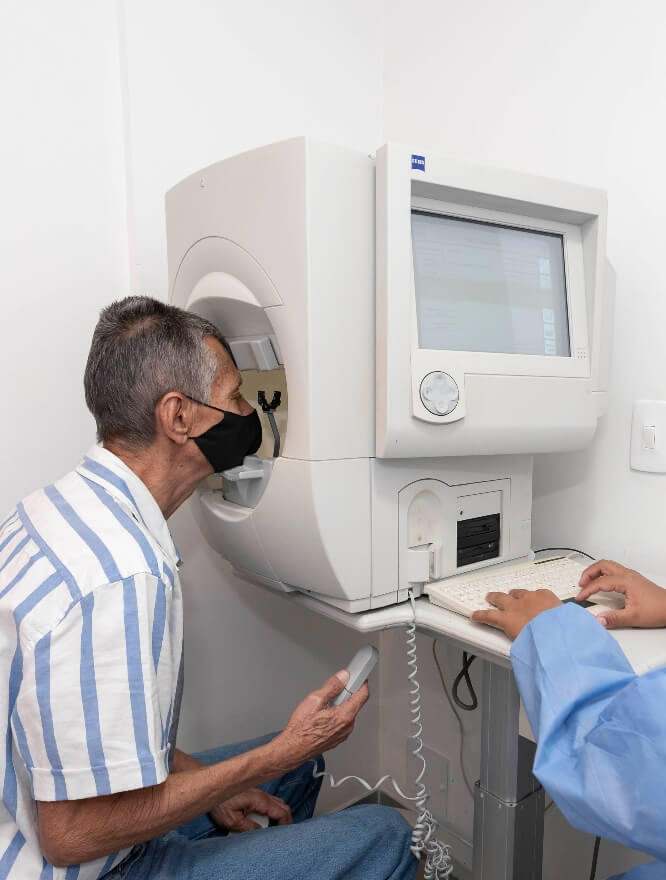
<point>436,777</point>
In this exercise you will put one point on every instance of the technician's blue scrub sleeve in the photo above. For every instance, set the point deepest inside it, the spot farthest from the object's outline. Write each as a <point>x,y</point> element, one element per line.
<point>600,730</point>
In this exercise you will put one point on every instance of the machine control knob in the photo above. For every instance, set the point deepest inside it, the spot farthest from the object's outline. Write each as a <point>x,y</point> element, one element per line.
<point>439,393</point>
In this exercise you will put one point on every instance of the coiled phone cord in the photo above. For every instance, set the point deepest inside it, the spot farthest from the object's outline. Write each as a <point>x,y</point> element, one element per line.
<point>438,864</point>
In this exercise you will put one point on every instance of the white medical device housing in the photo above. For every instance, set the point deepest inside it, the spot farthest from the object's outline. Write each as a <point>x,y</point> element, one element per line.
<point>418,393</point>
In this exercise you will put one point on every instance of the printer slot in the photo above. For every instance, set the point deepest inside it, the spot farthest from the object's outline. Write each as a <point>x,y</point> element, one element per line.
<point>478,539</point>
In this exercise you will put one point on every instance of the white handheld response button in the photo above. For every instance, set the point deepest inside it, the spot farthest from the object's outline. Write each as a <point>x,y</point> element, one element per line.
<point>439,393</point>
<point>360,667</point>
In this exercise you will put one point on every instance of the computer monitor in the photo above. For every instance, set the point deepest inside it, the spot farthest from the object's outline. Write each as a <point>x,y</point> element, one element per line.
<point>489,300</point>
<point>489,287</point>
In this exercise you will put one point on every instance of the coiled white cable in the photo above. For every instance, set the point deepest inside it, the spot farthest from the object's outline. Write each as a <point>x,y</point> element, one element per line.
<point>438,864</point>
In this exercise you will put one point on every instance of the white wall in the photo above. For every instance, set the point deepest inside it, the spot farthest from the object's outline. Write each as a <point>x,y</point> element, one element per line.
<point>209,79</point>
<point>62,226</point>
<point>98,121</point>
<point>572,90</point>
<point>206,80</point>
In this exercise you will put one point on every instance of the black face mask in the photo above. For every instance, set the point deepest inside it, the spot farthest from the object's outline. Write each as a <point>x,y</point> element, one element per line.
<point>226,444</point>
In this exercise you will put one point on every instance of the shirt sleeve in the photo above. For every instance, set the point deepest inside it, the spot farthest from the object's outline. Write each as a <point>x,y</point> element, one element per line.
<point>92,712</point>
<point>600,728</point>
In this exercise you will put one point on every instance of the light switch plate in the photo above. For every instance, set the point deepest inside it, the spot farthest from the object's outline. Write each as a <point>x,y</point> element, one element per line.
<point>648,428</point>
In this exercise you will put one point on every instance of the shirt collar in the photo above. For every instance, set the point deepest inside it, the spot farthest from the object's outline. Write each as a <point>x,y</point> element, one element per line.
<point>120,481</point>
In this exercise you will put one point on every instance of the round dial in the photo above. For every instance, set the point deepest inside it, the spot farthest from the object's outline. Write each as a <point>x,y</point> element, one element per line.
<point>439,393</point>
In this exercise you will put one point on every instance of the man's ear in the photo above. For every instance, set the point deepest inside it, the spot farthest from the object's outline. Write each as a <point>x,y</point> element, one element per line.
<point>173,417</point>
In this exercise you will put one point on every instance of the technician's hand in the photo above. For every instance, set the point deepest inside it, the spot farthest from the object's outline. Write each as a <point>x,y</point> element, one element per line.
<point>232,813</point>
<point>315,726</point>
<point>516,609</point>
<point>644,601</point>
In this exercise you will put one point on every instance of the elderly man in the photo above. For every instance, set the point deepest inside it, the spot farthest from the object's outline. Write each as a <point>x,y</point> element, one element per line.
<point>600,728</point>
<point>91,651</point>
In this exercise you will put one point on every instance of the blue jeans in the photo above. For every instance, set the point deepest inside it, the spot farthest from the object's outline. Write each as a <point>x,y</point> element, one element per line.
<point>361,843</point>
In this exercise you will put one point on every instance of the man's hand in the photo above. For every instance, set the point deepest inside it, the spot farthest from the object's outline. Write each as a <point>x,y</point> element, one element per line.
<point>315,726</point>
<point>232,813</point>
<point>644,601</point>
<point>516,609</point>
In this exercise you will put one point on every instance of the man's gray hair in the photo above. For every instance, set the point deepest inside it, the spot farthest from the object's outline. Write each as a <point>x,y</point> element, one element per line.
<point>141,349</point>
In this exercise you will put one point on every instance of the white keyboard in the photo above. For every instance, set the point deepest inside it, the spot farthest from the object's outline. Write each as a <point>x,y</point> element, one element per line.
<point>467,593</point>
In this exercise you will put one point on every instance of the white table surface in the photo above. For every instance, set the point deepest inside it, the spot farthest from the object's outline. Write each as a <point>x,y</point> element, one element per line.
<point>644,648</point>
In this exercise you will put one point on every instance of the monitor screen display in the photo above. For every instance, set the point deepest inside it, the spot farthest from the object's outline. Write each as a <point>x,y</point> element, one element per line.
<point>489,288</point>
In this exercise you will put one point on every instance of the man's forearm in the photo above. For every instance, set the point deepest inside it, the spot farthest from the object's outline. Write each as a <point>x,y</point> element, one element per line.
<point>183,761</point>
<point>78,831</point>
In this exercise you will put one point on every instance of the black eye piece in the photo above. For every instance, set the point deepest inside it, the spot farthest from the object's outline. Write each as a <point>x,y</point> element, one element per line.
<point>273,405</point>
<point>269,409</point>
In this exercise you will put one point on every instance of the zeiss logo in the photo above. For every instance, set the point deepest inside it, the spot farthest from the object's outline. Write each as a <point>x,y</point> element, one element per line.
<point>418,162</point>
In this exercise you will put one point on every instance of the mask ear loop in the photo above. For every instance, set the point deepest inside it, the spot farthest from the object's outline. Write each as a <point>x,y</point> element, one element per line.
<point>269,409</point>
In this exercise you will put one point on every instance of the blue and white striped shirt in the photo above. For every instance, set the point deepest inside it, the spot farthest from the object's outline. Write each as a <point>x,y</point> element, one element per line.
<point>90,652</point>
